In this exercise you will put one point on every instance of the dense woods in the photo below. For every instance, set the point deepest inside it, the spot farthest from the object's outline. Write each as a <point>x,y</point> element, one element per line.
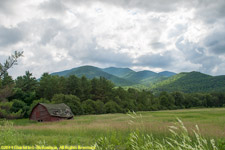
<point>91,96</point>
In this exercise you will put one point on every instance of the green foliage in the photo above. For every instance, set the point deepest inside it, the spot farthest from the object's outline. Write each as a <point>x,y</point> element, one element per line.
<point>112,107</point>
<point>19,105</point>
<point>7,80</point>
<point>5,112</point>
<point>50,85</point>
<point>27,83</point>
<point>12,60</point>
<point>8,135</point>
<point>98,95</point>
<point>119,72</point>
<point>191,82</point>
<point>70,100</point>
<point>166,101</point>
<point>89,106</point>
<point>93,72</point>
<point>100,108</point>
<point>101,89</point>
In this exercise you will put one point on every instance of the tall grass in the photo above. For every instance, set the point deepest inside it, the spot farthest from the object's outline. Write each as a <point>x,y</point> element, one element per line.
<point>179,139</point>
<point>116,131</point>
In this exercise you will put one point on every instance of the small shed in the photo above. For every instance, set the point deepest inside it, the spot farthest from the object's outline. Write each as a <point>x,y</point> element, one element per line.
<point>50,112</point>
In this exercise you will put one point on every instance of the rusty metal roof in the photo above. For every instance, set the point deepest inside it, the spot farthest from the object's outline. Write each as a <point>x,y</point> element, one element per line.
<point>58,110</point>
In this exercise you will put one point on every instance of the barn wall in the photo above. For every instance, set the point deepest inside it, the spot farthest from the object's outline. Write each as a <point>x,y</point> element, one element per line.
<point>40,113</point>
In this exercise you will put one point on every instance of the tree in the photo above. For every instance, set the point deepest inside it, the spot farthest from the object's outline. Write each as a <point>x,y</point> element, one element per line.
<point>89,106</point>
<point>112,107</point>
<point>19,105</point>
<point>179,99</point>
<point>85,89</point>
<point>6,80</point>
<point>71,100</point>
<point>166,100</point>
<point>100,108</point>
<point>50,85</point>
<point>101,89</point>
<point>27,83</point>
<point>73,85</point>
<point>12,60</point>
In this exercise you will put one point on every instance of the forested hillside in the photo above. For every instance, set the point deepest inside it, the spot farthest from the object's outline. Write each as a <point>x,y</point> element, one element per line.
<point>93,72</point>
<point>188,82</point>
<point>119,76</point>
<point>191,82</point>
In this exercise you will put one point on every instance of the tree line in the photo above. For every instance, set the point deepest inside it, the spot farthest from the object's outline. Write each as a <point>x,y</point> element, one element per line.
<point>88,96</point>
<point>95,96</point>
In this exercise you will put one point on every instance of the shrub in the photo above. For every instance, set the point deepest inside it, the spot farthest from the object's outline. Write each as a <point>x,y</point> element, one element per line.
<point>89,106</point>
<point>112,107</point>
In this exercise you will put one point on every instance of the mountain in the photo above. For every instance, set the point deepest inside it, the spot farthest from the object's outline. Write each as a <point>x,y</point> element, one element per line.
<point>167,73</point>
<point>94,72</point>
<point>119,72</point>
<point>119,76</point>
<point>141,75</point>
<point>191,82</point>
<point>187,82</point>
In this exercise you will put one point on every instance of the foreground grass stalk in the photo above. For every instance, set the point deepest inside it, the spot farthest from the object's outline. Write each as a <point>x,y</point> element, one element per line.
<point>179,139</point>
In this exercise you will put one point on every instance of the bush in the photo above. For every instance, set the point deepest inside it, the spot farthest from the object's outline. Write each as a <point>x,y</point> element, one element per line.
<point>100,108</point>
<point>112,107</point>
<point>18,105</point>
<point>89,106</point>
<point>5,112</point>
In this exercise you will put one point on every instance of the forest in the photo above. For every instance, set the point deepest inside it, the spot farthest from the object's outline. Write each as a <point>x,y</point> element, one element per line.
<point>95,96</point>
<point>88,96</point>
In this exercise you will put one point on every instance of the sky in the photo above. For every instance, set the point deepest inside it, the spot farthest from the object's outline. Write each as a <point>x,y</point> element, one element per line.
<point>156,35</point>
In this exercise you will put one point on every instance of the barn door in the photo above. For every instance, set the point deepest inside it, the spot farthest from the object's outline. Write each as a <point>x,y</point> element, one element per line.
<point>37,114</point>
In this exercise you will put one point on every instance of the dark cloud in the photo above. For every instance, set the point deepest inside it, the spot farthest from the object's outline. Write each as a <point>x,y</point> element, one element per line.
<point>156,60</point>
<point>215,42</point>
<point>6,6</point>
<point>210,12</point>
<point>157,45</point>
<point>91,53</point>
<point>147,5</point>
<point>9,36</point>
<point>196,54</point>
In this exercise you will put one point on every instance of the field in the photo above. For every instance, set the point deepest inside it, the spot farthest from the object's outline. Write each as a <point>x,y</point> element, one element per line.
<point>86,130</point>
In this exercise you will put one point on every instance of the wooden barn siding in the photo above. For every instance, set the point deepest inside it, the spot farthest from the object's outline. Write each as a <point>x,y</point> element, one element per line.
<point>43,114</point>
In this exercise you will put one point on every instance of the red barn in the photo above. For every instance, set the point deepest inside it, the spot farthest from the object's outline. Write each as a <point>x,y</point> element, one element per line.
<point>50,112</point>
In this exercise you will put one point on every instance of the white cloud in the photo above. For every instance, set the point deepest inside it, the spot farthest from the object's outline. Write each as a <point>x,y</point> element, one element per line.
<point>177,36</point>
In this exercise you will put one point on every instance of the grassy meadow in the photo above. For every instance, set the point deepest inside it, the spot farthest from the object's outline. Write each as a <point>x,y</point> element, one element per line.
<point>87,129</point>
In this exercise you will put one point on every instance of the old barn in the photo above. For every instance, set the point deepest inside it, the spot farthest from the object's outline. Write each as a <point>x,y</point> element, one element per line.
<point>51,112</point>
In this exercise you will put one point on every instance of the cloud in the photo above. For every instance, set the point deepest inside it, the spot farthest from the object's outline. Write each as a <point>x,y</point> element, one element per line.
<point>9,36</point>
<point>54,7</point>
<point>175,35</point>
<point>215,42</point>
<point>156,60</point>
<point>211,12</point>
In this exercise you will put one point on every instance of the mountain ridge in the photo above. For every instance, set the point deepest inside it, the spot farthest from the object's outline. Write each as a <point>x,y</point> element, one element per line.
<point>163,81</point>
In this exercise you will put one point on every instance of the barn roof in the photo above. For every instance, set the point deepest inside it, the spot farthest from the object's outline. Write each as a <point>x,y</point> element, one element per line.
<point>59,110</point>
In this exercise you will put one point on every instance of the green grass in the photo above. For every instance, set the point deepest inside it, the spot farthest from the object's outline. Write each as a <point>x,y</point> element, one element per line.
<point>86,130</point>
